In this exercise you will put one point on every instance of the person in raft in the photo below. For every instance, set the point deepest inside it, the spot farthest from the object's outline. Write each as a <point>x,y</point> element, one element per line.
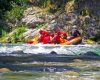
<point>59,37</point>
<point>45,37</point>
<point>42,35</point>
<point>74,33</point>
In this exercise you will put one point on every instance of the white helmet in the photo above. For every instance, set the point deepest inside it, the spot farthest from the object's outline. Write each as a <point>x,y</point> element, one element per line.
<point>53,21</point>
<point>74,26</point>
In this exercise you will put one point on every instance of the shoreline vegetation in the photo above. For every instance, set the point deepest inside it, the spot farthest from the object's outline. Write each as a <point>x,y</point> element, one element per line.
<point>20,20</point>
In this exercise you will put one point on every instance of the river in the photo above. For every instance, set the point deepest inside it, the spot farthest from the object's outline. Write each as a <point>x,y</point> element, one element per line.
<point>46,62</point>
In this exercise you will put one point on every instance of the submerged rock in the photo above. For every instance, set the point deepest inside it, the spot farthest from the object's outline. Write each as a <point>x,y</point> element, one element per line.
<point>5,70</point>
<point>72,79</point>
<point>53,53</point>
<point>72,73</point>
<point>90,54</point>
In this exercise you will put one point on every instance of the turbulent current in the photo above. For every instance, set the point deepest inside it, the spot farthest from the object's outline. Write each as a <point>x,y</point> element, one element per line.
<point>8,49</point>
<point>49,62</point>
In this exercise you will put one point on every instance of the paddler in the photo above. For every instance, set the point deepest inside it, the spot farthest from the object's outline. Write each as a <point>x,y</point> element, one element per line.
<point>57,37</point>
<point>42,35</point>
<point>46,39</point>
<point>74,32</point>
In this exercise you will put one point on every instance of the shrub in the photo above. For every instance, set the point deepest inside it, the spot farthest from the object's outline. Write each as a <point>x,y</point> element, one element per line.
<point>4,33</point>
<point>39,25</point>
<point>18,32</point>
<point>15,13</point>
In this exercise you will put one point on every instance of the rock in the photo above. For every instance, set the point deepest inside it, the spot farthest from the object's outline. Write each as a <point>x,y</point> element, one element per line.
<point>53,53</point>
<point>72,79</point>
<point>5,70</point>
<point>30,11</point>
<point>49,17</point>
<point>28,32</point>
<point>53,25</point>
<point>78,60</point>
<point>90,53</point>
<point>33,16</point>
<point>72,73</point>
<point>32,20</point>
<point>72,17</point>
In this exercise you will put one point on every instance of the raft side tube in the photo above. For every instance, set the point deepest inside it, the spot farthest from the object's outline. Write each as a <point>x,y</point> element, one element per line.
<point>73,41</point>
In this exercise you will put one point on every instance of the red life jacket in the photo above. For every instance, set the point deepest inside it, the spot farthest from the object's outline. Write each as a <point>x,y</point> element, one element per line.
<point>42,35</point>
<point>46,39</point>
<point>64,34</point>
<point>41,38</point>
<point>57,39</point>
<point>30,42</point>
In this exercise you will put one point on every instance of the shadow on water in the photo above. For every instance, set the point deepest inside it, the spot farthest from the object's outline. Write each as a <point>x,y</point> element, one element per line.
<point>53,57</point>
<point>11,62</point>
<point>15,67</point>
<point>14,60</point>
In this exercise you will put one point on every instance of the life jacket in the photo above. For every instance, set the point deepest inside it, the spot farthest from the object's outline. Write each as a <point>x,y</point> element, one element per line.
<point>41,38</point>
<point>57,39</point>
<point>30,42</point>
<point>46,39</point>
<point>42,35</point>
<point>64,34</point>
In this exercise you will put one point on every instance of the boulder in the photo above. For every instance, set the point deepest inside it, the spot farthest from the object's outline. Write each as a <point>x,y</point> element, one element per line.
<point>72,73</point>
<point>5,70</point>
<point>32,20</point>
<point>30,33</point>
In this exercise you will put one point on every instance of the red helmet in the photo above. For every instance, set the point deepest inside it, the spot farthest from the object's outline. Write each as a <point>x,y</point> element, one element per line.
<point>59,33</point>
<point>52,35</point>
<point>41,31</point>
<point>64,33</point>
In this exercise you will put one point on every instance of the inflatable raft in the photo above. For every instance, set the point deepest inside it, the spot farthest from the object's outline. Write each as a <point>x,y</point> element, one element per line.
<point>74,41</point>
<point>63,41</point>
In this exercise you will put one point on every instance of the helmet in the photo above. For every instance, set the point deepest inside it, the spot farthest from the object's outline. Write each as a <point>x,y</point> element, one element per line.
<point>74,26</point>
<point>40,31</point>
<point>53,21</point>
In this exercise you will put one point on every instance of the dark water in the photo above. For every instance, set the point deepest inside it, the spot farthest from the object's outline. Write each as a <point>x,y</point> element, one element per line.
<point>52,63</point>
<point>76,70</point>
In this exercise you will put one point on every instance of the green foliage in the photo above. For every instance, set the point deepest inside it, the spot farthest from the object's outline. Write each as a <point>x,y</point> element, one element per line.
<point>39,25</point>
<point>10,12</point>
<point>4,33</point>
<point>84,12</point>
<point>21,1</point>
<point>15,13</point>
<point>96,37</point>
<point>42,3</point>
<point>4,6</point>
<point>18,32</point>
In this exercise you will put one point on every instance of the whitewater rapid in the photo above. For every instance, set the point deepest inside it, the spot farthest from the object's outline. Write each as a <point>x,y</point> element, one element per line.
<point>47,49</point>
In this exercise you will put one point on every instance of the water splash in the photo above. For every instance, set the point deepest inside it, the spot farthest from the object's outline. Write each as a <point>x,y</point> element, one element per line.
<point>47,49</point>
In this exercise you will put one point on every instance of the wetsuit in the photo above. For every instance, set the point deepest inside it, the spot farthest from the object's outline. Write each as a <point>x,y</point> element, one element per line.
<point>75,33</point>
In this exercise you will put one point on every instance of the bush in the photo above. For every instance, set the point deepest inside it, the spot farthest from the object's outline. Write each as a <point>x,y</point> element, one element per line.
<point>39,25</point>
<point>18,32</point>
<point>15,13</point>
<point>4,33</point>
<point>96,37</point>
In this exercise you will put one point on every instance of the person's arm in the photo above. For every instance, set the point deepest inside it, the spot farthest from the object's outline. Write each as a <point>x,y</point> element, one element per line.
<point>78,33</point>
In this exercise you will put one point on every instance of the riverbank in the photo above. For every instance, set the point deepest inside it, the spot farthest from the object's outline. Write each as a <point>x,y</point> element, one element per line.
<point>47,15</point>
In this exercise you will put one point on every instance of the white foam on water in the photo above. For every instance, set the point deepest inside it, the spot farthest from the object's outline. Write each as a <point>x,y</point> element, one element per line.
<point>13,49</point>
<point>47,48</point>
<point>2,49</point>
